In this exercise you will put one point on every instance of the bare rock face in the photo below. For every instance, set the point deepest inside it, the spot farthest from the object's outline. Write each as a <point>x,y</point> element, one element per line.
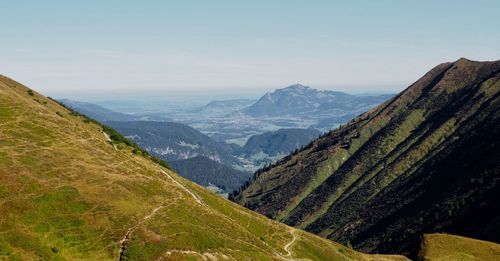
<point>426,161</point>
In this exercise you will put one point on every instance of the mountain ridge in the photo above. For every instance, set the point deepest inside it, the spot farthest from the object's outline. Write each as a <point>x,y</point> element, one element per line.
<point>102,114</point>
<point>353,183</point>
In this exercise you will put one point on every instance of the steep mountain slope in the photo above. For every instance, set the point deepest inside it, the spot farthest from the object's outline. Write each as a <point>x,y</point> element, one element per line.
<point>428,160</point>
<point>205,172</point>
<point>69,192</point>
<point>302,100</point>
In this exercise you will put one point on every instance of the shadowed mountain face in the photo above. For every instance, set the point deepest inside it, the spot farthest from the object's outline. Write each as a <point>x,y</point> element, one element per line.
<point>73,189</point>
<point>427,160</point>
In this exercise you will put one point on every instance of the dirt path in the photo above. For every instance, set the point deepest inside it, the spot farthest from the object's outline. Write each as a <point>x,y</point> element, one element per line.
<point>289,244</point>
<point>204,256</point>
<point>125,238</point>
<point>195,197</point>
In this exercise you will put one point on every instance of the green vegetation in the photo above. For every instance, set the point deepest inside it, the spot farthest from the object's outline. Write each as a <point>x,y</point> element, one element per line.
<point>446,247</point>
<point>66,193</point>
<point>114,136</point>
<point>327,168</point>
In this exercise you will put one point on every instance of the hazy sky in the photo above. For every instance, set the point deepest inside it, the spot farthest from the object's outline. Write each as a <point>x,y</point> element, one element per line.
<point>195,46</point>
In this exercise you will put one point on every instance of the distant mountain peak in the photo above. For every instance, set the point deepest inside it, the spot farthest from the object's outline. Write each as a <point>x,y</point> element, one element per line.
<point>463,60</point>
<point>298,99</point>
<point>297,86</point>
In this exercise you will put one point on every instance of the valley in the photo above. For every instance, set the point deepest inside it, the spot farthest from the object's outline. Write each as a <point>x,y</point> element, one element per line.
<point>69,193</point>
<point>76,189</point>
<point>249,130</point>
<point>229,136</point>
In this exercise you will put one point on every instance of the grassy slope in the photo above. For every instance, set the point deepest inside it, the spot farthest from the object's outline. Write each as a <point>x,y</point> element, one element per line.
<point>445,247</point>
<point>68,193</point>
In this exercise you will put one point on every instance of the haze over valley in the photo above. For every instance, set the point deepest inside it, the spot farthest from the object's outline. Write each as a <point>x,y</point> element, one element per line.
<point>239,136</point>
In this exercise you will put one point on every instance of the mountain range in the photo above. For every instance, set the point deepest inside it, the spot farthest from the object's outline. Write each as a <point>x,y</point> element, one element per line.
<point>205,161</point>
<point>189,151</point>
<point>72,188</point>
<point>426,161</point>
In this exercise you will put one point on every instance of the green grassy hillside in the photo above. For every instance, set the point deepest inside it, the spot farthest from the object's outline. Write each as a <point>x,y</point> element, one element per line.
<point>445,247</point>
<point>71,190</point>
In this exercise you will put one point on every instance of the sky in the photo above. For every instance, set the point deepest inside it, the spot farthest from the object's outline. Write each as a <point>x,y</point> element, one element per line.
<point>103,48</point>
